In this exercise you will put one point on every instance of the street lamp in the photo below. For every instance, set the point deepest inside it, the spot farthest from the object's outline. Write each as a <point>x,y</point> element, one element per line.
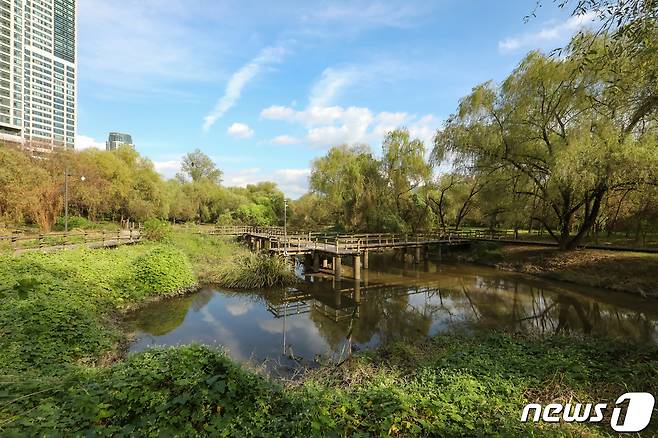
<point>285,227</point>
<point>66,198</point>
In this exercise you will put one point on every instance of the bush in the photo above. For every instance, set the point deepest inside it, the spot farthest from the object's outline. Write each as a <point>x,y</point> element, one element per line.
<point>75,222</point>
<point>256,271</point>
<point>163,270</point>
<point>157,230</point>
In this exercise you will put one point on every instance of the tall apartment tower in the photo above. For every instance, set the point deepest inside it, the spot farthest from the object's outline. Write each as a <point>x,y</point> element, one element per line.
<point>116,139</point>
<point>38,78</point>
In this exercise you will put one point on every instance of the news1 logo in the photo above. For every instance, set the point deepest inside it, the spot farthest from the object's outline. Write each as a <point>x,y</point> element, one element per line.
<point>637,413</point>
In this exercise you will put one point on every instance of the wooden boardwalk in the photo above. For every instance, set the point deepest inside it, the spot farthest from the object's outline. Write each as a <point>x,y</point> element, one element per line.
<point>52,242</point>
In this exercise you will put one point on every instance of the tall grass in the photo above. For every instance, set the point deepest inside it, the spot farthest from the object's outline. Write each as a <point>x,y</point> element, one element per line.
<point>256,271</point>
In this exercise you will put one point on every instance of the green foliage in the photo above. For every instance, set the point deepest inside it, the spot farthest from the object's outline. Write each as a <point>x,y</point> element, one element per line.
<point>163,270</point>
<point>75,222</point>
<point>256,271</point>
<point>157,230</point>
<point>53,306</point>
<point>447,386</point>
<point>208,254</point>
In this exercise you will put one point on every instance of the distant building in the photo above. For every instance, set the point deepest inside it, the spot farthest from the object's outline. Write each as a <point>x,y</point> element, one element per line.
<point>117,139</point>
<point>38,73</point>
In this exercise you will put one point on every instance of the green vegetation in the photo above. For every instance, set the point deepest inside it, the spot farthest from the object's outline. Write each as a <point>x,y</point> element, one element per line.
<point>448,385</point>
<point>256,271</point>
<point>56,308</point>
<point>157,230</point>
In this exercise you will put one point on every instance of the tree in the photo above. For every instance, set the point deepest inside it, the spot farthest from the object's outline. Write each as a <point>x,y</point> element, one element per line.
<point>198,166</point>
<point>554,124</point>
<point>348,183</point>
<point>405,170</point>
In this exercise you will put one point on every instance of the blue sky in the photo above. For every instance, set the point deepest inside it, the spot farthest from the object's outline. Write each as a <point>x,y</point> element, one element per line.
<point>265,89</point>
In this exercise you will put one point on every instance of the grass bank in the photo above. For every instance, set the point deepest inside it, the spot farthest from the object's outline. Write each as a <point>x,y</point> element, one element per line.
<point>446,386</point>
<point>223,262</point>
<point>632,272</point>
<point>59,374</point>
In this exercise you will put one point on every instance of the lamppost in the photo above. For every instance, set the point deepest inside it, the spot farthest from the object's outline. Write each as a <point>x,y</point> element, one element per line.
<point>66,198</point>
<point>285,227</point>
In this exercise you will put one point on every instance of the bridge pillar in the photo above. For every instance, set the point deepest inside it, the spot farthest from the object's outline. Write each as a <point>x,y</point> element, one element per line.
<point>257,244</point>
<point>365,260</point>
<point>325,262</point>
<point>417,255</point>
<point>357,267</point>
<point>268,244</point>
<point>337,267</point>
<point>316,261</point>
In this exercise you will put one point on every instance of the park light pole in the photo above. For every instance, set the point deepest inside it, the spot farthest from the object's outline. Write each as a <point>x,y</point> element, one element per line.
<point>66,198</point>
<point>285,227</point>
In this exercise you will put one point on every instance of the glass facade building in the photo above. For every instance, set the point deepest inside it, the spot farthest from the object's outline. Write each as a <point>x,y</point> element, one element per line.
<point>38,73</point>
<point>117,139</point>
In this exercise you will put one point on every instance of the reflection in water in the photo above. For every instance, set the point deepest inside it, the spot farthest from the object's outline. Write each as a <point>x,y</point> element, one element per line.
<point>325,318</point>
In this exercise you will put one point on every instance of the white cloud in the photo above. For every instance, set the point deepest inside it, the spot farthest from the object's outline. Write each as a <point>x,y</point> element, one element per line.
<point>237,82</point>
<point>330,85</point>
<point>285,139</point>
<point>240,130</point>
<point>293,182</point>
<point>329,126</point>
<point>243,177</point>
<point>548,35</point>
<point>168,168</point>
<point>84,142</point>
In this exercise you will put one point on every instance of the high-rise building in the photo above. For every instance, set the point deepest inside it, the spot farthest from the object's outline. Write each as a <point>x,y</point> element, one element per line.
<point>38,78</point>
<point>117,139</point>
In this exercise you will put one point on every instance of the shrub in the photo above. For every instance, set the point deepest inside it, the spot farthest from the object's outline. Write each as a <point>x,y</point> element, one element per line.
<point>163,270</point>
<point>75,222</point>
<point>157,230</point>
<point>256,271</point>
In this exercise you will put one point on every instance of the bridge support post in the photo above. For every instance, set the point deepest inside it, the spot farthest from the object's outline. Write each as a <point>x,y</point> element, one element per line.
<point>337,267</point>
<point>365,260</point>
<point>417,255</point>
<point>316,261</point>
<point>357,267</point>
<point>325,262</point>
<point>268,244</point>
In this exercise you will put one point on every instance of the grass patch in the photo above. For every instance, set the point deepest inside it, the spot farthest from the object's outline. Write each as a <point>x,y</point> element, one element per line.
<point>207,253</point>
<point>256,271</point>
<point>56,308</point>
<point>446,386</point>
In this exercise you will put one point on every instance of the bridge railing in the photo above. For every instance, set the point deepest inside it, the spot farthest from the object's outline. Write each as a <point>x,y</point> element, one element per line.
<point>22,242</point>
<point>358,242</point>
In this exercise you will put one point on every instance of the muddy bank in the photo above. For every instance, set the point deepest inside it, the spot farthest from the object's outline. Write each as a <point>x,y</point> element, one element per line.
<point>630,272</point>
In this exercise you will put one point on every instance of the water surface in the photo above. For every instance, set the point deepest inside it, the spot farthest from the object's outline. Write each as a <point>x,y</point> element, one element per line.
<point>324,319</point>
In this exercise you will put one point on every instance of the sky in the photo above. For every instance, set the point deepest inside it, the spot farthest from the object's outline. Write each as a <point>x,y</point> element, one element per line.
<point>263,89</point>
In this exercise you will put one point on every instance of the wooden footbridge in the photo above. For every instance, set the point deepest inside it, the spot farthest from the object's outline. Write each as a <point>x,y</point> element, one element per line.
<point>326,249</point>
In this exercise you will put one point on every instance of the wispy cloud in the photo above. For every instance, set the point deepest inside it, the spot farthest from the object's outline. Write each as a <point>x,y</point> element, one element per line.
<point>240,130</point>
<point>142,46</point>
<point>556,33</point>
<point>331,83</point>
<point>285,140</point>
<point>239,79</point>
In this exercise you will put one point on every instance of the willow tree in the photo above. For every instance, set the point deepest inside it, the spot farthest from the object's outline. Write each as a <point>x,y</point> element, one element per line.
<point>569,131</point>
<point>406,172</point>
<point>349,185</point>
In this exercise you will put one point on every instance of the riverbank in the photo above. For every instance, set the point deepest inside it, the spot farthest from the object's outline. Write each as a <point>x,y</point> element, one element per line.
<point>446,386</point>
<point>631,272</point>
<point>58,327</point>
